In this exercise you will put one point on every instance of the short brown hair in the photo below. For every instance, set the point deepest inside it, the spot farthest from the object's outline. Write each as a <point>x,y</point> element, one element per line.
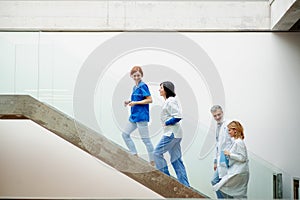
<point>136,69</point>
<point>235,125</point>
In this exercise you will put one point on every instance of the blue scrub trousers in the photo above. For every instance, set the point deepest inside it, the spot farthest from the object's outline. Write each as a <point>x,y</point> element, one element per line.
<point>172,145</point>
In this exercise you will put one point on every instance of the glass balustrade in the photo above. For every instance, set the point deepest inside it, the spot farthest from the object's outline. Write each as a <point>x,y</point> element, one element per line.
<point>47,66</point>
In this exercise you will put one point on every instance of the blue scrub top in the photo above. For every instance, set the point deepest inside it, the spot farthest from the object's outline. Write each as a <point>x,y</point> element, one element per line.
<point>140,113</point>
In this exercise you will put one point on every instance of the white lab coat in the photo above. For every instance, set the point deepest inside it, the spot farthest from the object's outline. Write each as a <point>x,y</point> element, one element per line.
<point>224,143</point>
<point>170,109</point>
<point>236,181</point>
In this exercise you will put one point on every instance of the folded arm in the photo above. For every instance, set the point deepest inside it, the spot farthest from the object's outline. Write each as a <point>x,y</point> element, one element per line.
<point>172,121</point>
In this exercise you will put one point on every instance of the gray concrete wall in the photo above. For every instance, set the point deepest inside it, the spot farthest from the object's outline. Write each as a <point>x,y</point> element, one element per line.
<point>284,14</point>
<point>92,15</point>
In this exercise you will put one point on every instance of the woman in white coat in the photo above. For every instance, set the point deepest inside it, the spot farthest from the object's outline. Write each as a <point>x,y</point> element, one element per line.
<point>235,183</point>
<point>170,142</point>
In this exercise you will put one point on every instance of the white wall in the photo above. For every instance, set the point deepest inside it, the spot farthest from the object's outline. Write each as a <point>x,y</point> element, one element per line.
<point>36,163</point>
<point>258,71</point>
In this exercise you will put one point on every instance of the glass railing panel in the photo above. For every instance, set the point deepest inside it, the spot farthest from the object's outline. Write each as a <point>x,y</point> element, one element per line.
<point>46,66</point>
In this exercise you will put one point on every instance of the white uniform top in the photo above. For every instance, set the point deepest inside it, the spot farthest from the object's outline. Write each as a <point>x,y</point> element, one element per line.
<point>224,142</point>
<point>238,160</point>
<point>236,181</point>
<point>170,109</point>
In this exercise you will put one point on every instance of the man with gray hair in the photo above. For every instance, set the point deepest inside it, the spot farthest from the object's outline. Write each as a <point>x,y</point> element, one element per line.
<point>223,142</point>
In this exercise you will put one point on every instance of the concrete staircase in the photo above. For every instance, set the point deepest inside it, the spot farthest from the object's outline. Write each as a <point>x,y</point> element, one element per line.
<point>27,107</point>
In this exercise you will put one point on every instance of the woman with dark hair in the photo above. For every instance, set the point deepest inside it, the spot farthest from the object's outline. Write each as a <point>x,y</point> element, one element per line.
<point>139,117</point>
<point>170,142</point>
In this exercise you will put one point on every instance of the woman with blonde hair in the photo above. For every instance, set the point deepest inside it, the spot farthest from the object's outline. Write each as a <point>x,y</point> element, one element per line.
<point>235,183</point>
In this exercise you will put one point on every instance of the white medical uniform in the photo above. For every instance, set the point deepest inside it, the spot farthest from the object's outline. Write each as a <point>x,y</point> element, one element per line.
<point>236,181</point>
